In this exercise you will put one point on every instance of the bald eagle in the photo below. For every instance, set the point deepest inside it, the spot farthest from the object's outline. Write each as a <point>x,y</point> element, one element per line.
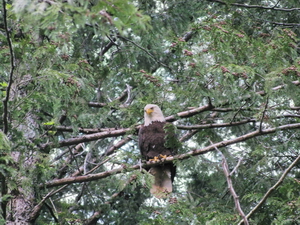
<point>155,143</point>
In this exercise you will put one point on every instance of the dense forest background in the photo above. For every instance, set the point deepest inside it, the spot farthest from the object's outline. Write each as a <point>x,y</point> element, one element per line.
<point>75,76</point>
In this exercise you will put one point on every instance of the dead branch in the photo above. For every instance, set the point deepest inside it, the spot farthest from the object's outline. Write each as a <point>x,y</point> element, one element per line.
<point>230,186</point>
<point>264,198</point>
<point>88,137</point>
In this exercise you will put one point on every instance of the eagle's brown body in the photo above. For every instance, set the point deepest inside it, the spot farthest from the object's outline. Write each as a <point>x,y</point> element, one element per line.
<point>152,143</point>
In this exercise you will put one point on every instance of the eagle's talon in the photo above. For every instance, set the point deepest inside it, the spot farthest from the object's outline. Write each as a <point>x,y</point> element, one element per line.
<point>162,156</point>
<point>155,159</point>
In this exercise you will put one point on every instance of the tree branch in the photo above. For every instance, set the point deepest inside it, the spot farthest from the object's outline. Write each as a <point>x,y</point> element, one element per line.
<point>108,46</point>
<point>88,137</point>
<point>5,101</point>
<point>112,132</point>
<point>256,6</point>
<point>119,144</point>
<point>189,113</point>
<point>12,68</point>
<point>230,186</point>
<point>264,198</point>
<point>92,177</point>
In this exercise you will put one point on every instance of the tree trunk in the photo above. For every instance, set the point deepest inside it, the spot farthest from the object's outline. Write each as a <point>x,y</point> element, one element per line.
<point>19,210</point>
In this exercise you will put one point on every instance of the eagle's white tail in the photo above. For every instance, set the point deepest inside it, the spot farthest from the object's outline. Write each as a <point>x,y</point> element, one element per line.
<point>162,185</point>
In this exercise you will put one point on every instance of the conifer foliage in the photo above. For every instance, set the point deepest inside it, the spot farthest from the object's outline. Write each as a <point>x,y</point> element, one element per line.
<point>75,76</point>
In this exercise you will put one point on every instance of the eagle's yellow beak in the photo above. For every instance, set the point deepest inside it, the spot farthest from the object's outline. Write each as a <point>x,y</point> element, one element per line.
<point>149,111</point>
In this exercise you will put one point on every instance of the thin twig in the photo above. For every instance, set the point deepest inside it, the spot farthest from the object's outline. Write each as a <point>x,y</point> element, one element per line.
<point>145,50</point>
<point>237,166</point>
<point>237,112</point>
<point>188,135</point>
<point>261,202</point>
<point>96,167</point>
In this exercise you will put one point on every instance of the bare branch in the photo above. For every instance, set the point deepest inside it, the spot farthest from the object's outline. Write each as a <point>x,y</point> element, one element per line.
<point>230,186</point>
<point>112,132</point>
<point>237,166</point>
<point>189,113</point>
<point>112,149</point>
<point>257,6</point>
<point>92,177</point>
<point>80,129</point>
<point>89,137</point>
<point>188,135</point>
<point>108,46</point>
<point>122,97</point>
<point>264,198</point>
<point>36,210</point>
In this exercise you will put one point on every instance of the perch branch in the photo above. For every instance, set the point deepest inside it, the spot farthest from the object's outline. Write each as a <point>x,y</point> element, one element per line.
<point>112,132</point>
<point>97,176</point>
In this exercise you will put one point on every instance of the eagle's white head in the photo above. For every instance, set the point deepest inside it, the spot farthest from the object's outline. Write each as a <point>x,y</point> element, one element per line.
<point>153,113</point>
